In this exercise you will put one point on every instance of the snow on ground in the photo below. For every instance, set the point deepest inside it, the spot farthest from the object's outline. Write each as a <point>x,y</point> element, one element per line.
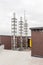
<point>9,57</point>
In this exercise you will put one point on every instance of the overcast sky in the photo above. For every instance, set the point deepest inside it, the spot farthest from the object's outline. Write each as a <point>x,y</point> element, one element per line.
<point>33,8</point>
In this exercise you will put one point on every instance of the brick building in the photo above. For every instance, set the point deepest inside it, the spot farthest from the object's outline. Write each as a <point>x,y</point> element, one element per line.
<point>37,41</point>
<point>6,41</point>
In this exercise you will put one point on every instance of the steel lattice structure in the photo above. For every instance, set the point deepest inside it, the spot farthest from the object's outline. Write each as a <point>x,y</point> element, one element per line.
<point>25,28</point>
<point>26,31</point>
<point>21,30</point>
<point>14,31</point>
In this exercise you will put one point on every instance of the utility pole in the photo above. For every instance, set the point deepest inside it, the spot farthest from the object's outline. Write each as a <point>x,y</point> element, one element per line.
<point>14,31</point>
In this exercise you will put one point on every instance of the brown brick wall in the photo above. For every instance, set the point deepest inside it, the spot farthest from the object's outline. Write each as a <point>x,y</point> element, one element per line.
<point>6,40</point>
<point>37,43</point>
<point>23,41</point>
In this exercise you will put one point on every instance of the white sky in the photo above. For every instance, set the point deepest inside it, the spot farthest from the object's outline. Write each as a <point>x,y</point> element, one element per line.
<point>34,13</point>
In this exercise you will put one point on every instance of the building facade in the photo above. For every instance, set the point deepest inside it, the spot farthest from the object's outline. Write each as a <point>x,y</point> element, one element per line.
<point>6,41</point>
<point>37,41</point>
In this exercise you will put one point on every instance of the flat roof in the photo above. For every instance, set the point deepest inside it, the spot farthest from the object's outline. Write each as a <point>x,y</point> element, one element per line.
<point>35,28</point>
